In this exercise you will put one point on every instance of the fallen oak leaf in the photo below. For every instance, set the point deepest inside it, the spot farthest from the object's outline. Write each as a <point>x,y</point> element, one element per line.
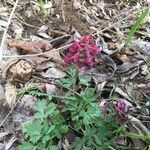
<point>31,47</point>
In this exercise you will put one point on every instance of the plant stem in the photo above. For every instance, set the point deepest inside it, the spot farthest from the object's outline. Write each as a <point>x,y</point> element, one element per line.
<point>75,81</point>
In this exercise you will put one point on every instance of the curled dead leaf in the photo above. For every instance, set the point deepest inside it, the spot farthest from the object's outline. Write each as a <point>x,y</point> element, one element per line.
<point>31,47</point>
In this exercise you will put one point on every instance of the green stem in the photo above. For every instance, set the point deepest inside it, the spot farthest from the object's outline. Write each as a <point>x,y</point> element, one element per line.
<point>75,81</point>
<point>138,136</point>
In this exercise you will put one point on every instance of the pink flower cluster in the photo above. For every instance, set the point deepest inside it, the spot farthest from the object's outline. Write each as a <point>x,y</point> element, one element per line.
<point>83,52</point>
<point>122,108</point>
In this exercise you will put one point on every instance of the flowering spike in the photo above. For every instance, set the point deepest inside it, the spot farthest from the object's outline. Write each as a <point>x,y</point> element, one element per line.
<point>122,108</point>
<point>83,52</point>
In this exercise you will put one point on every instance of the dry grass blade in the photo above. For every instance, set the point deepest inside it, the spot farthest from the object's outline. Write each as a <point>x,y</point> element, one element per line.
<point>137,24</point>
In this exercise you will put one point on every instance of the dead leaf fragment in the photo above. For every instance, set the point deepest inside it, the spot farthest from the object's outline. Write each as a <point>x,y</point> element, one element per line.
<point>21,70</point>
<point>11,94</point>
<point>55,55</point>
<point>3,134</point>
<point>10,142</point>
<point>2,93</point>
<point>28,101</point>
<point>50,88</point>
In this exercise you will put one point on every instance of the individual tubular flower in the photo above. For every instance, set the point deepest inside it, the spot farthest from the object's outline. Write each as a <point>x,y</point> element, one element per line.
<point>104,105</point>
<point>122,108</point>
<point>83,52</point>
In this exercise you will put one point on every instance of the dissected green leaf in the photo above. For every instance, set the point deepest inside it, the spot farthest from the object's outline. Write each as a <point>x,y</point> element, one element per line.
<point>40,106</point>
<point>26,146</point>
<point>50,109</point>
<point>85,79</point>
<point>72,71</point>
<point>89,94</point>
<point>66,82</point>
<point>33,130</point>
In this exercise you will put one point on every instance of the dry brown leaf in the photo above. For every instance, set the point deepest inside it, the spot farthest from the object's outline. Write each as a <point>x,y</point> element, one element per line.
<point>11,94</point>
<point>21,70</point>
<point>31,47</point>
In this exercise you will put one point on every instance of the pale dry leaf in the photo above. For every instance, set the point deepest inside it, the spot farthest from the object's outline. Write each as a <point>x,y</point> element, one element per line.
<point>101,86</point>
<point>2,146</point>
<point>65,144</point>
<point>105,47</point>
<point>142,46</point>
<point>11,94</point>
<point>42,32</point>
<point>3,134</point>
<point>50,88</point>
<point>28,101</point>
<point>23,117</point>
<point>10,142</point>
<point>122,93</point>
<point>44,65</point>
<point>53,73</point>
<point>136,142</point>
<point>54,55</point>
<point>139,125</point>
<point>2,93</point>
<point>3,23</point>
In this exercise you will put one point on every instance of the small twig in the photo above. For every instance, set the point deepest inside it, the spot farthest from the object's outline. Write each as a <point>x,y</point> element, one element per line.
<point>39,54</point>
<point>74,84</point>
<point>5,31</point>
<point>11,111</point>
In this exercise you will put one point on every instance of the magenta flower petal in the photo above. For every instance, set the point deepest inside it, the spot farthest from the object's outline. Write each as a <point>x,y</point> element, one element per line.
<point>83,52</point>
<point>122,108</point>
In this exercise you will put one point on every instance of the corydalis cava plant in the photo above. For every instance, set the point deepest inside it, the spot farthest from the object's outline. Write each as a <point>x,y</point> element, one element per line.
<point>121,107</point>
<point>83,52</point>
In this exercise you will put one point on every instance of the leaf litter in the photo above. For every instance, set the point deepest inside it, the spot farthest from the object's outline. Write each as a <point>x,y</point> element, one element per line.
<point>124,69</point>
